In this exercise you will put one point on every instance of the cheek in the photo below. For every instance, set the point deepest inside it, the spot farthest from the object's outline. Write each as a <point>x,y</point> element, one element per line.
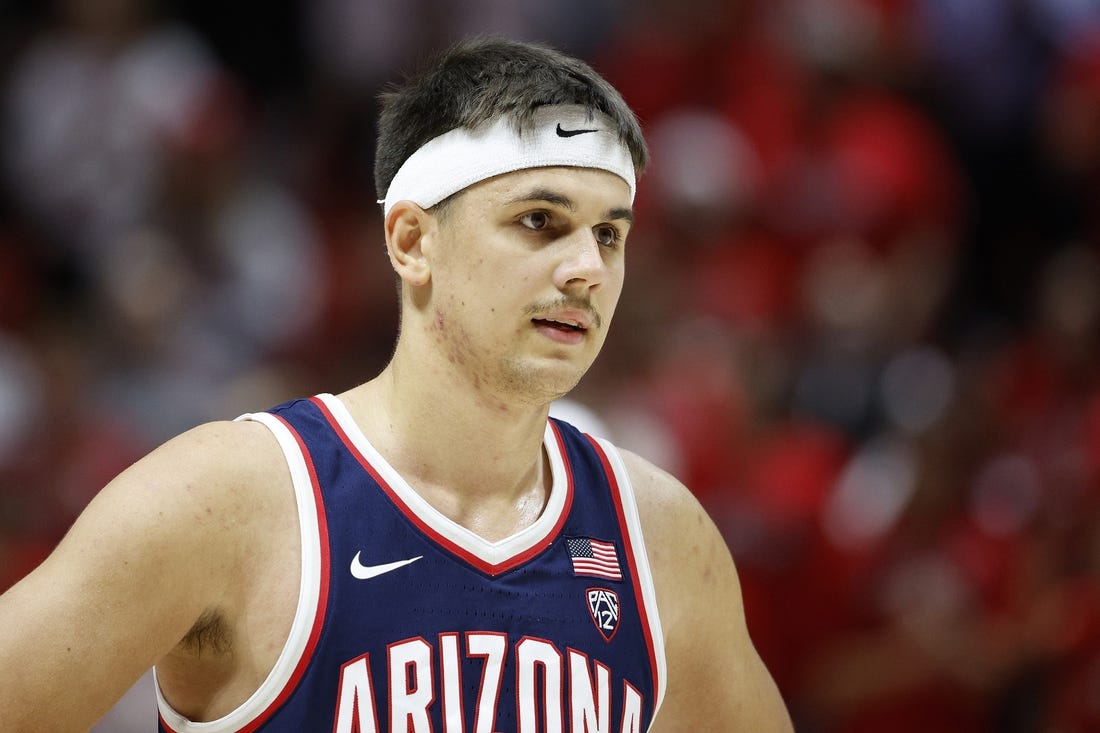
<point>452,335</point>
<point>613,289</point>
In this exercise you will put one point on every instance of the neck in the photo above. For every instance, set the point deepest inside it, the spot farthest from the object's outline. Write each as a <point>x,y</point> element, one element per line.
<point>474,456</point>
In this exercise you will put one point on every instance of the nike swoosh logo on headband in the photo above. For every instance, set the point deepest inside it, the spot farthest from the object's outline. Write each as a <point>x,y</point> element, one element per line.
<point>571,133</point>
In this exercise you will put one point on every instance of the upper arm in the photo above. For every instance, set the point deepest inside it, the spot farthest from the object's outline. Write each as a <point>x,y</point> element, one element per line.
<point>151,553</point>
<point>716,679</point>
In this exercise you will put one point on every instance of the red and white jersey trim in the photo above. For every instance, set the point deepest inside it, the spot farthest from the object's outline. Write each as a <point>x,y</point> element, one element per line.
<point>310,600</point>
<point>492,557</point>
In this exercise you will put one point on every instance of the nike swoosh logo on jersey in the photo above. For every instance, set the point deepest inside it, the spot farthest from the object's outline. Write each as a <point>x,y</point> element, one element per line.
<point>366,572</point>
<point>570,133</point>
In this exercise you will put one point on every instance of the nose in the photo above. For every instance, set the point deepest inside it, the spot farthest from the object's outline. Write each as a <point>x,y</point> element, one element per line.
<point>583,264</point>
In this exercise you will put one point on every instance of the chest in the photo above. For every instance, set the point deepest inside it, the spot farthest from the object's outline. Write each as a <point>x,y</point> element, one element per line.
<point>424,625</point>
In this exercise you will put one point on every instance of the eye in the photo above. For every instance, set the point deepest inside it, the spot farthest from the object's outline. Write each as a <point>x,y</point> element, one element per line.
<point>536,220</point>
<point>607,235</point>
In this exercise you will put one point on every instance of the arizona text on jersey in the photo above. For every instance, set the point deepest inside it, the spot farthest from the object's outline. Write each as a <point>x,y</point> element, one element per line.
<point>554,692</point>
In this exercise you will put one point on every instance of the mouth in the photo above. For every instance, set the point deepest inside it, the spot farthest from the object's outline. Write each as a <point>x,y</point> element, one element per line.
<point>562,330</point>
<point>567,322</point>
<point>562,325</point>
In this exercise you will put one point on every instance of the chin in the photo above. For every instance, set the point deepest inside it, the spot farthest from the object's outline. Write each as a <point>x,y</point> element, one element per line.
<point>541,384</point>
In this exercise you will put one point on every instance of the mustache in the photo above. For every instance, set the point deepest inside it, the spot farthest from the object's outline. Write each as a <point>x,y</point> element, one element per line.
<point>565,302</point>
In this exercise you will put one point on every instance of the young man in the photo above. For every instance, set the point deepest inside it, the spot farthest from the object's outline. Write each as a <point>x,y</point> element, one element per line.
<point>426,551</point>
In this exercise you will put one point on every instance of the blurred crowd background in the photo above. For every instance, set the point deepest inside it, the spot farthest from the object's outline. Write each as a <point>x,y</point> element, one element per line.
<point>861,316</point>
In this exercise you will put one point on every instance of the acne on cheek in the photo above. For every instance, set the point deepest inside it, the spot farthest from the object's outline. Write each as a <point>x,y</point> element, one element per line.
<point>454,343</point>
<point>439,329</point>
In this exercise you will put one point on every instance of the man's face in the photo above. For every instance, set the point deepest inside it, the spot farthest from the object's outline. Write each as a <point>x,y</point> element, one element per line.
<point>526,271</point>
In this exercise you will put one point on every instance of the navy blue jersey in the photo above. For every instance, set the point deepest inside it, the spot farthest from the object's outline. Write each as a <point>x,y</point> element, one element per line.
<point>409,622</point>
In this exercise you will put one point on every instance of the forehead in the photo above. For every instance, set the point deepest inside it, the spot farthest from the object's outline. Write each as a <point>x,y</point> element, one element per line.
<point>585,187</point>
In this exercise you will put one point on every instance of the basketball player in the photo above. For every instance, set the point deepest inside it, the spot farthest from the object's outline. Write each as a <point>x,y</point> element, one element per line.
<point>426,551</point>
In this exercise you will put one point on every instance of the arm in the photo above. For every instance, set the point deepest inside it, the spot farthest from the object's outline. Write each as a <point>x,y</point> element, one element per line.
<point>154,551</point>
<point>716,680</point>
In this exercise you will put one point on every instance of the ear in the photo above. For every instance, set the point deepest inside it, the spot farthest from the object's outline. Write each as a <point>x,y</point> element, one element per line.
<point>407,228</point>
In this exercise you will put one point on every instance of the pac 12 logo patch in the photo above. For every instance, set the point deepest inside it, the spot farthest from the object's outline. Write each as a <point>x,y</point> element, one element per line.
<point>603,604</point>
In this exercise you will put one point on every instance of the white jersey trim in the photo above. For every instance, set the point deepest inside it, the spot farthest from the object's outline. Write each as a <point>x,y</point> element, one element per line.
<point>308,597</point>
<point>492,553</point>
<point>641,562</point>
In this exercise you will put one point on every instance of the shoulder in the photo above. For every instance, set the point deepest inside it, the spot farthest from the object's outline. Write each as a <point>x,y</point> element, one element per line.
<point>164,544</point>
<point>195,513</point>
<point>196,479</point>
<point>217,484</point>
<point>655,486</point>
<point>193,494</point>
<point>716,680</point>
<point>667,508</point>
<point>208,458</point>
<point>683,545</point>
<point>188,513</point>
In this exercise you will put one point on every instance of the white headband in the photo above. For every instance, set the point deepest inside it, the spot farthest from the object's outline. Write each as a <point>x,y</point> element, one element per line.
<point>560,135</point>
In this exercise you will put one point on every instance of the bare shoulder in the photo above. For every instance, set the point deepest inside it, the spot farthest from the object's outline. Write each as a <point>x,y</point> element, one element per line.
<point>201,485</point>
<point>158,547</point>
<point>684,547</point>
<point>665,504</point>
<point>676,526</point>
<point>716,680</point>
<point>215,465</point>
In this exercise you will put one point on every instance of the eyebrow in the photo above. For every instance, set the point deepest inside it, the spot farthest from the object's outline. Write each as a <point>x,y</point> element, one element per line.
<point>557,199</point>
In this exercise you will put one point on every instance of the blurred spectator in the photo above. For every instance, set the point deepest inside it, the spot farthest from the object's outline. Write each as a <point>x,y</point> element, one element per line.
<point>90,106</point>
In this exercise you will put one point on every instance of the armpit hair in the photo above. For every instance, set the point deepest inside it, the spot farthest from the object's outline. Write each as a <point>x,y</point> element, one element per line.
<point>209,633</point>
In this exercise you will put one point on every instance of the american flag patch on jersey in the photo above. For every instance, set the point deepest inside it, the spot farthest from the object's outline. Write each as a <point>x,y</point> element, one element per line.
<point>593,557</point>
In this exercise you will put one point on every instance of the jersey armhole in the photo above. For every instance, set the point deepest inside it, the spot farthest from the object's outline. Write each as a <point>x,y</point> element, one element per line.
<point>633,528</point>
<point>307,616</point>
